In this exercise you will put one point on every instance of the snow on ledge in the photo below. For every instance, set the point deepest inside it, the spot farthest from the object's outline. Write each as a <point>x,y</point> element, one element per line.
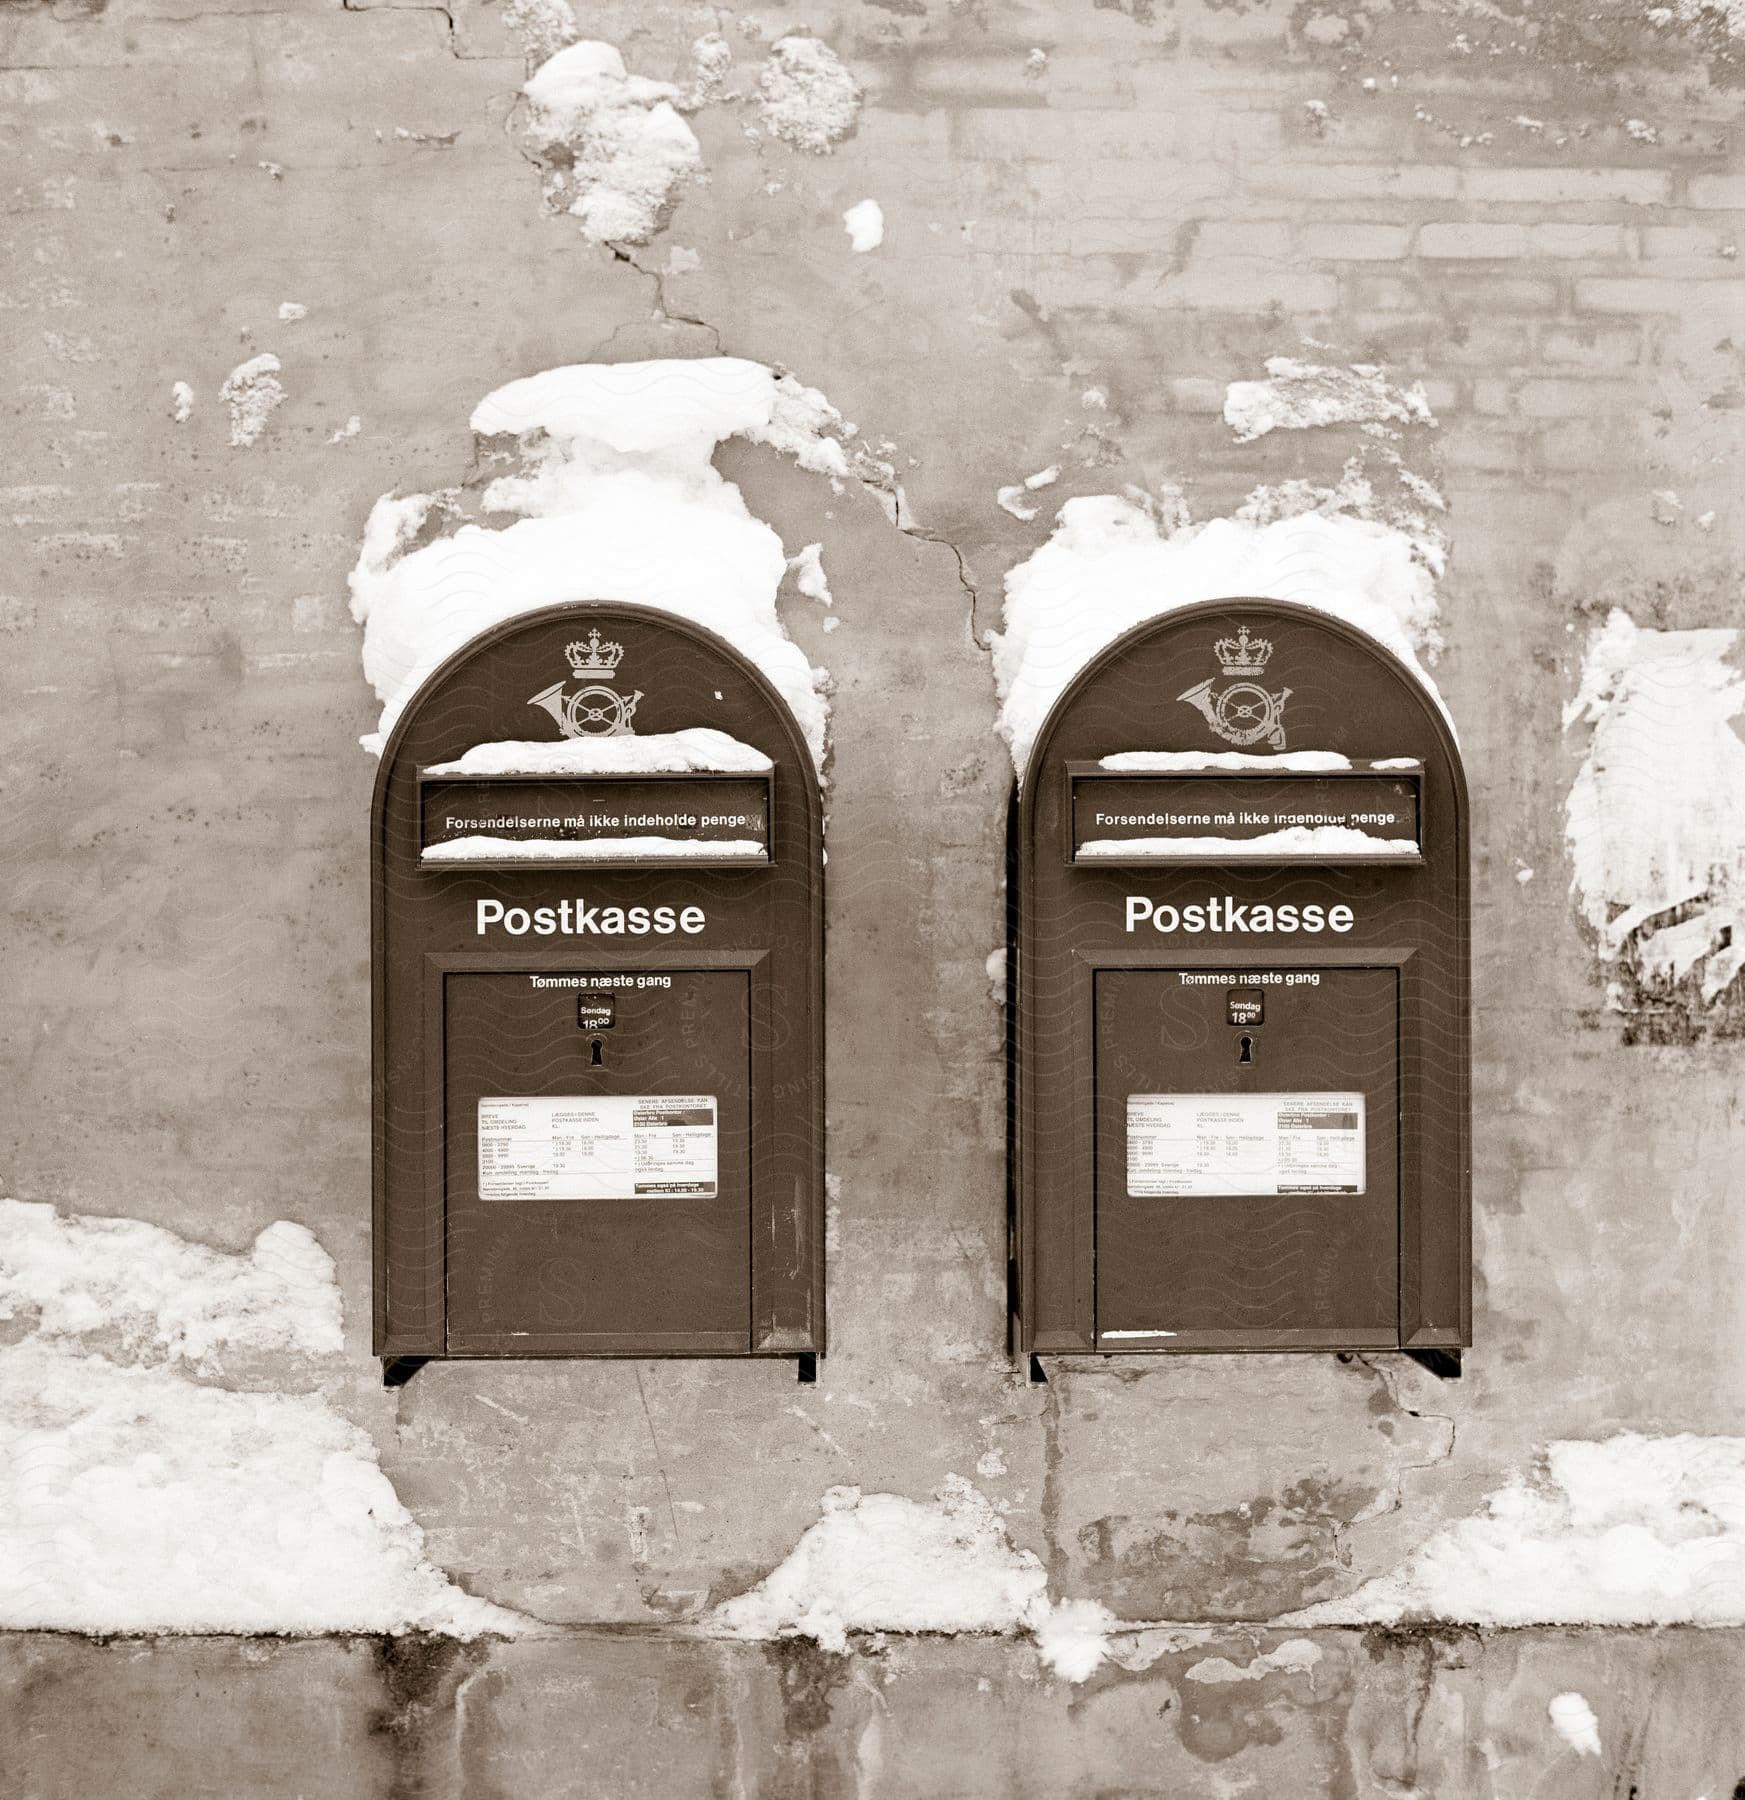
<point>1629,1530</point>
<point>1150,762</point>
<point>1293,840</point>
<point>481,847</point>
<point>137,1289</point>
<point>882,1562</point>
<point>700,748</point>
<point>139,1496</point>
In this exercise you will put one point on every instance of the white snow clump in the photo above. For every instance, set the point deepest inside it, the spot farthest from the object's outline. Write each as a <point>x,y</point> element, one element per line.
<point>614,498</point>
<point>809,99</point>
<point>882,1562</point>
<point>137,1497</point>
<point>1656,819</point>
<point>1628,1530</point>
<point>1299,396</point>
<point>613,145</point>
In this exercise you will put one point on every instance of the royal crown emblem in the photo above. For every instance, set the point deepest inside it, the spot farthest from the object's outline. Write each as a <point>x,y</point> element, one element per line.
<point>594,657</point>
<point>1242,654</point>
<point>593,710</point>
<point>1244,712</point>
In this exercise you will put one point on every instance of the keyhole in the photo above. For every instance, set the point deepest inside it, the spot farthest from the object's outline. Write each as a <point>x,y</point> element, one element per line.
<point>1247,1055</point>
<point>596,1059</point>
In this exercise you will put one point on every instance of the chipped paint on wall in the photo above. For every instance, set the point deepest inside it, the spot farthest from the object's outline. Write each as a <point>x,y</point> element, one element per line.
<point>1655,821</point>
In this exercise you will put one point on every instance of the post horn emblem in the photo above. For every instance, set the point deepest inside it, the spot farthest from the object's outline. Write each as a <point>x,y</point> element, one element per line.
<point>593,710</point>
<point>1244,712</point>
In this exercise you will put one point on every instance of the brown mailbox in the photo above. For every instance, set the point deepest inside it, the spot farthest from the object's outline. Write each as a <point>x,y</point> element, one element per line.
<point>597,967</point>
<point>1241,1024</point>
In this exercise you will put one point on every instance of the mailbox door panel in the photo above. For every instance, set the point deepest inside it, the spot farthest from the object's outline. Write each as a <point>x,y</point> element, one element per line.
<point>1247,1159</point>
<point>597,1201</point>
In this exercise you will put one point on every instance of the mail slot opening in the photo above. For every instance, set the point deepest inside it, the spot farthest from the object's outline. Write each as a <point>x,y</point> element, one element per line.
<point>1203,814</point>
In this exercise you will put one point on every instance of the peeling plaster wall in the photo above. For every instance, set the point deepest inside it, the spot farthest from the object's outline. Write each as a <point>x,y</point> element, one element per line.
<point>1148,213</point>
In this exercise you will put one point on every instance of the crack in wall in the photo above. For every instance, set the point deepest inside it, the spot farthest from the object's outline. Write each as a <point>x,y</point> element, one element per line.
<point>1392,1495</point>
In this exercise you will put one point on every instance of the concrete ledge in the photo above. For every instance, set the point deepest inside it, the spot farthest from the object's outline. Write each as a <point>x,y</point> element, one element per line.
<point>1440,1713</point>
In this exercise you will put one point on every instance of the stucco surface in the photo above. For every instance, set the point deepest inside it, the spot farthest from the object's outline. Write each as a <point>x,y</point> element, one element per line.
<point>185,1037</point>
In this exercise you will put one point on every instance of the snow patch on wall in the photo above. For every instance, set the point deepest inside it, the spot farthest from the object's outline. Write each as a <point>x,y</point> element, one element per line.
<point>1111,564</point>
<point>253,392</point>
<point>1655,821</point>
<point>882,1562</point>
<point>135,1496</point>
<point>613,497</point>
<point>1573,1720</point>
<point>1630,1530</point>
<point>1730,13</point>
<point>612,144</point>
<point>136,1290</point>
<point>809,99</point>
<point>1300,396</point>
<point>542,27</point>
<point>1295,1656</point>
<point>865,224</point>
<point>807,567</point>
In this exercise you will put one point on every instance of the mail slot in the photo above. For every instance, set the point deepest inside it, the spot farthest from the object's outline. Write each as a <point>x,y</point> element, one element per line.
<point>1241,1027</point>
<point>597,968</point>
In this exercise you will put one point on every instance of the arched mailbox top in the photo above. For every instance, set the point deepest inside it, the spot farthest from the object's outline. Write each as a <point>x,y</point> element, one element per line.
<point>1300,680</point>
<point>611,673</point>
<point>1245,707</point>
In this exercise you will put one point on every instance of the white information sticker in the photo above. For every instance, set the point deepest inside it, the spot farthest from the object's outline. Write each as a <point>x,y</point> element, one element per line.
<point>598,1147</point>
<point>1244,1144</point>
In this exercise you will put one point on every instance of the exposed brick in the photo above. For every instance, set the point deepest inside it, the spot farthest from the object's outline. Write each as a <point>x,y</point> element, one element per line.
<point>1381,293</point>
<point>1356,181</point>
<point>1562,238</point>
<point>1494,294</point>
<point>1690,241</point>
<point>1581,446</point>
<point>1628,294</point>
<point>1450,239</point>
<point>1240,286</point>
<point>1551,399</point>
<point>1529,187</point>
<point>1482,450</point>
<point>1355,242</point>
<point>1444,396</point>
<point>1591,346</point>
<point>1488,343</point>
<point>1216,238</point>
<point>1495,397</point>
<point>1721,192</point>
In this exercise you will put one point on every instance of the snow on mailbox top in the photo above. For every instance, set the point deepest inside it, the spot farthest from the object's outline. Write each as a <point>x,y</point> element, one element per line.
<point>1109,567</point>
<point>613,497</point>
